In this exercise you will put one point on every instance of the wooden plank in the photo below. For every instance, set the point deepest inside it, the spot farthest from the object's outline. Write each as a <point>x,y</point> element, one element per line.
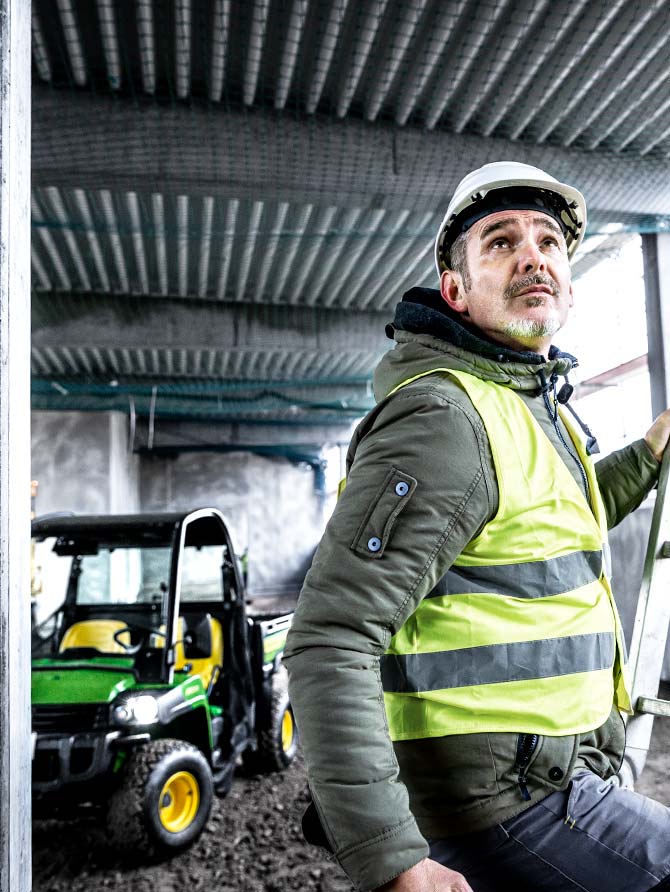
<point>15,753</point>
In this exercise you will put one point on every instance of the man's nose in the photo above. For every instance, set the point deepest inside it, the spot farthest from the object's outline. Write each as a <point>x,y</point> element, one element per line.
<point>531,259</point>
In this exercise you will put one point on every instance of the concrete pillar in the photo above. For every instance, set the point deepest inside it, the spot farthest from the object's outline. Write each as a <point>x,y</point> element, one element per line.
<point>82,463</point>
<point>656,254</point>
<point>15,750</point>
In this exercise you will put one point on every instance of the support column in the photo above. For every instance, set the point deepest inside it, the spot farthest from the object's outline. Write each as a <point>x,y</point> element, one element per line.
<point>656,256</point>
<point>15,750</point>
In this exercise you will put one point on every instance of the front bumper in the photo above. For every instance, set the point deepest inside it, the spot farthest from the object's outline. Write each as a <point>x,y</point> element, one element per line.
<point>59,760</point>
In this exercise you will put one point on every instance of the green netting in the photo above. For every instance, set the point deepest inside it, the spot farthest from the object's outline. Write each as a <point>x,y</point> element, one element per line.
<point>204,401</point>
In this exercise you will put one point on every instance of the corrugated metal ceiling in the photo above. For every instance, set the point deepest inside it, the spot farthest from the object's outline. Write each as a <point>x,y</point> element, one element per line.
<point>590,72</point>
<point>209,247</point>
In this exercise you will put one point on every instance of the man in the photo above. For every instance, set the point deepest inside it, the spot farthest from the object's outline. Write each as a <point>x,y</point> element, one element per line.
<point>456,658</point>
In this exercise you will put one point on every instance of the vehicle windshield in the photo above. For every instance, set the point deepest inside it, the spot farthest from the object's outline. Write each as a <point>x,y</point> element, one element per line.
<point>114,582</point>
<point>124,575</point>
<point>111,592</point>
<point>116,574</point>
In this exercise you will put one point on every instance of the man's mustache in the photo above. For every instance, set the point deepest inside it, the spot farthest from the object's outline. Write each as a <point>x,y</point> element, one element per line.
<point>520,285</point>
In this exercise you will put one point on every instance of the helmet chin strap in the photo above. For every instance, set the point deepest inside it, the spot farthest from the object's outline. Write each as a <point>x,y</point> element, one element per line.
<point>562,397</point>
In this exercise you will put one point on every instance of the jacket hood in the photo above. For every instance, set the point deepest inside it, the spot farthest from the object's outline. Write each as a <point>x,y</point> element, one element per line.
<point>428,335</point>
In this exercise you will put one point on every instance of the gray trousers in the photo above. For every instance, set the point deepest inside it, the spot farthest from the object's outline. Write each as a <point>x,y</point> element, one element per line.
<point>594,836</point>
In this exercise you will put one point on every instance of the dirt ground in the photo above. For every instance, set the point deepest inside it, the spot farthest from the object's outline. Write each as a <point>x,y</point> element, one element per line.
<point>253,842</point>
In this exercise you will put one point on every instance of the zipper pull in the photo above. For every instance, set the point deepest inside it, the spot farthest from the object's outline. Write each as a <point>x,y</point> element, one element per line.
<point>524,750</point>
<point>525,795</point>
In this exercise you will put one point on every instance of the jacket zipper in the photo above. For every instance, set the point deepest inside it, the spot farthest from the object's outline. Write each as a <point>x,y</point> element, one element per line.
<point>525,748</point>
<point>553,415</point>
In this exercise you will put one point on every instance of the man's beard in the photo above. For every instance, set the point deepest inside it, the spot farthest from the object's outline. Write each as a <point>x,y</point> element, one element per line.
<point>530,329</point>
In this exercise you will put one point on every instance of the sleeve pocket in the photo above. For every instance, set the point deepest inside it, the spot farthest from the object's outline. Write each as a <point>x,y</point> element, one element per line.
<point>375,531</point>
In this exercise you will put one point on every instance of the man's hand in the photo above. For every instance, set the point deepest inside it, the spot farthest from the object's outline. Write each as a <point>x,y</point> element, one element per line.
<point>656,437</point>
<point>427,876</point>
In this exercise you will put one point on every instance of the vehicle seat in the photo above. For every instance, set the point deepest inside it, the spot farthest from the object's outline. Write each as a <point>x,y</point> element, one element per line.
<point>97,633</point>
<point>206,667</point>
<point>158,640</point>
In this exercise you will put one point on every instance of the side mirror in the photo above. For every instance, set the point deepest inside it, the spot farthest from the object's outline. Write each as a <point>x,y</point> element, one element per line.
<point>198,639</point>
<point>228,581</point>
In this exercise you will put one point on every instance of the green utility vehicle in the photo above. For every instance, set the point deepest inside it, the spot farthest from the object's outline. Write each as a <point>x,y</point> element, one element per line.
<point>149,680</point>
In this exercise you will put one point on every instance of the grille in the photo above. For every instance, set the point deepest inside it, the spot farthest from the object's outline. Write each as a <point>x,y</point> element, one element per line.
<point>70,718</point>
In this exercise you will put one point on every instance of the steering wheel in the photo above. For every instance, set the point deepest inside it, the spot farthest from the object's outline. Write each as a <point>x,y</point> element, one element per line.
<point>135,627</point>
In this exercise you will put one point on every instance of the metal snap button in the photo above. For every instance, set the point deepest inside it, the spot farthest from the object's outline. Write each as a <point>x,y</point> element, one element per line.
<point>401,489</point>
<point>555,773</point>
<point>374,544</point>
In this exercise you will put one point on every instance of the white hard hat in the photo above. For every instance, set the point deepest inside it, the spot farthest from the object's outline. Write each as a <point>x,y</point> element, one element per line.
<point>510,184</point>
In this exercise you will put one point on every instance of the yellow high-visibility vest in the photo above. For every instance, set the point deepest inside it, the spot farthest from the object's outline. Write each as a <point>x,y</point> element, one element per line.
<point>522,634</point>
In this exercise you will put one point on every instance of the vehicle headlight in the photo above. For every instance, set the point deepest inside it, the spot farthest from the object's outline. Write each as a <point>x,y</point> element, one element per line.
<point>141,710</point>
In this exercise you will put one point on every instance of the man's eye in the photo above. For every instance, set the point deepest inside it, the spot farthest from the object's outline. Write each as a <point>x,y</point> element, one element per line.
<point>551,241</point>
<point>499,243</point>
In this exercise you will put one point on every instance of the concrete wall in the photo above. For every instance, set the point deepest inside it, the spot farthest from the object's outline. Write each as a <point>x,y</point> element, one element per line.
<point>82,464</point>
<point>270,504</point>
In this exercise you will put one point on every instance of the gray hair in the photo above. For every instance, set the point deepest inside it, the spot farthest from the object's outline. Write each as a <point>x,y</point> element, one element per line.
<point>458,259</point>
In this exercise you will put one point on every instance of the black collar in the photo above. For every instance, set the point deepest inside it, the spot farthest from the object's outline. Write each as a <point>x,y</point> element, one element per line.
<point>424,311</point>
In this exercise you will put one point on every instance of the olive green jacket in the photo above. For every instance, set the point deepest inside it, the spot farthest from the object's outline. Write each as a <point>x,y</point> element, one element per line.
<point>377,800</point>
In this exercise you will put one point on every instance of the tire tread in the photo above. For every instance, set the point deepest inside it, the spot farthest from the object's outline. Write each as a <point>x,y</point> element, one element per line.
<point>270,756</point>
<point>127,826</point>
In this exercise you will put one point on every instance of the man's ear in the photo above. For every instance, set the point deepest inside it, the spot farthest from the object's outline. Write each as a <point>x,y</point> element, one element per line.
<point>452,291</point>
<point>572,296</point>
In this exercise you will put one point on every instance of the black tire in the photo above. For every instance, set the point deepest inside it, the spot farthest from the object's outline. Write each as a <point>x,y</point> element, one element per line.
<point>277,738</point>
<point>164,799</point>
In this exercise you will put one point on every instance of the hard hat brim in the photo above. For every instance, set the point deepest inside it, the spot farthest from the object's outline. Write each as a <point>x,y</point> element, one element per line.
<point>574,200</point>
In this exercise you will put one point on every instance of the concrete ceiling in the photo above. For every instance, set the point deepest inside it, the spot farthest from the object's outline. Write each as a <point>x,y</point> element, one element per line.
<point>230,197</point>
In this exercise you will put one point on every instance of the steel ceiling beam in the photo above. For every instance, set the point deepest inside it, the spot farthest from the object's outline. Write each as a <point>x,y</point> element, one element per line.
<point>183,150</point>
<point>134,322</point>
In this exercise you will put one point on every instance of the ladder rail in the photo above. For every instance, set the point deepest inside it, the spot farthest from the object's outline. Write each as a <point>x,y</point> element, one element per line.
<point>650,633</point>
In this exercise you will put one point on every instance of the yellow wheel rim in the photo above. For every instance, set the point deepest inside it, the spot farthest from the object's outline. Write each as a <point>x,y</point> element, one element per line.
<point>287,731</point>
<point>179,801</point>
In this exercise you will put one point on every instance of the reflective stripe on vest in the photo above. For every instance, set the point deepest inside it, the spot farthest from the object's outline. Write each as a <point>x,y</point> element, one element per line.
<point>522,633</point>
<point>535,579</point>
<point>494,663</point>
